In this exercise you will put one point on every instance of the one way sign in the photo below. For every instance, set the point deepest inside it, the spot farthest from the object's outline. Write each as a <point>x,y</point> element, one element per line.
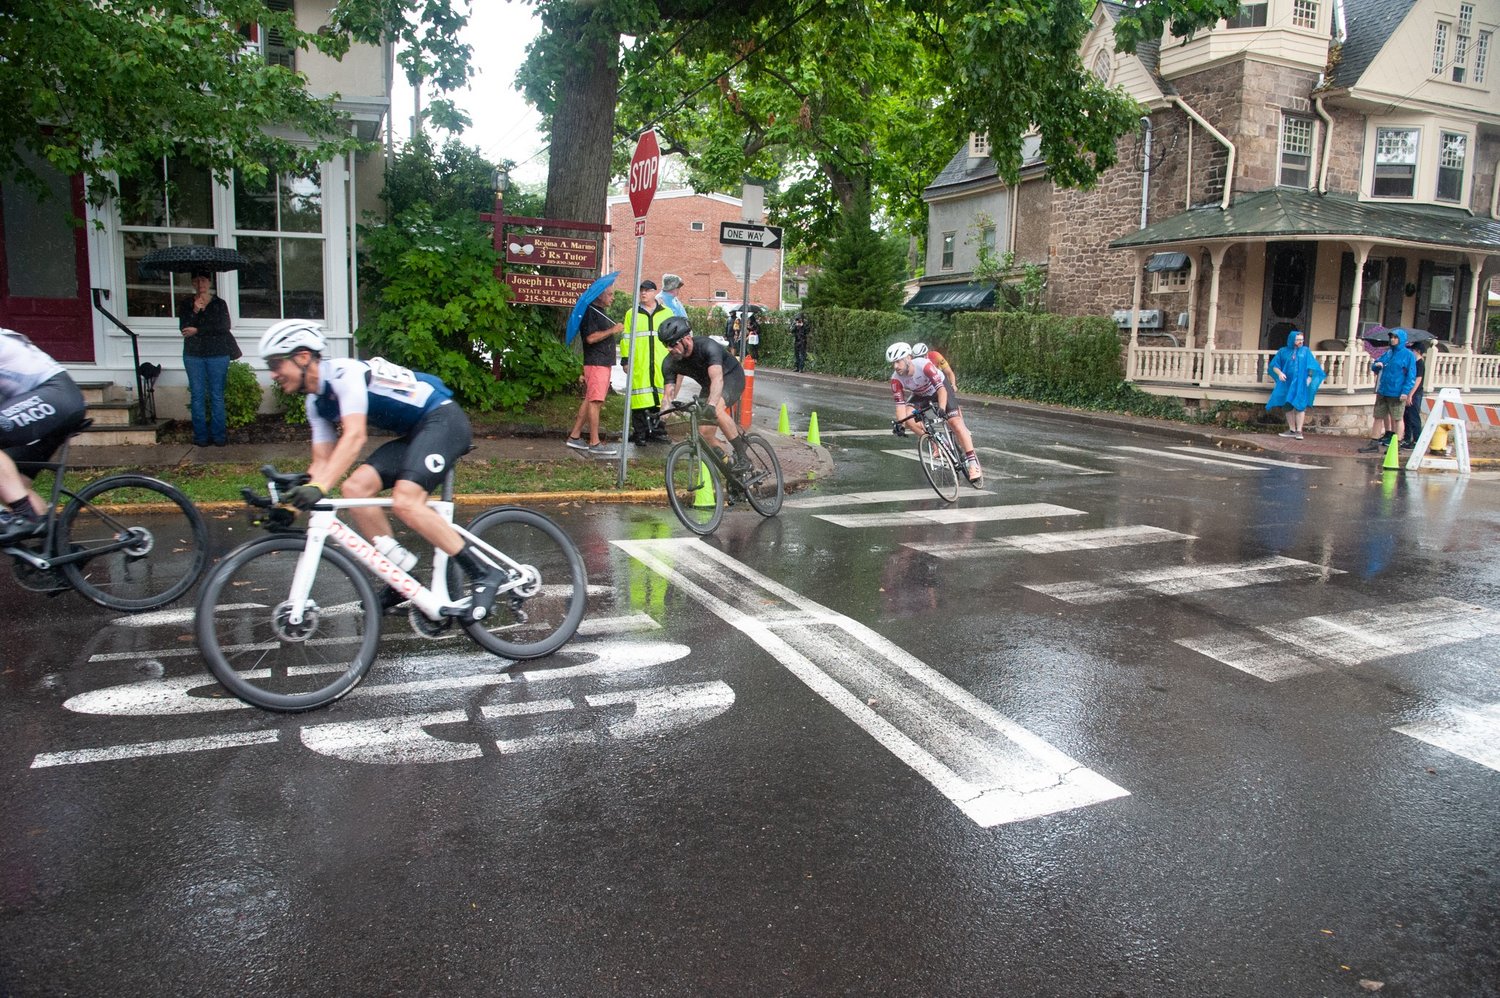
<point>744,234</point>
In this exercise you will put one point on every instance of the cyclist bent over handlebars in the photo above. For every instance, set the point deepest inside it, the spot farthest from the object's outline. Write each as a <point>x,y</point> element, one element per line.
<point>354,394</point>
<point>926,385</point>
<point>713,367</point>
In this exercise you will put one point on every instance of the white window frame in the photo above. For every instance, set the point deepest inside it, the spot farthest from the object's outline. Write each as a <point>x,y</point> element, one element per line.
<point>1165,282</point>
<point>1386,155</point>
<point>168,234</point>
<point>1462,166</point>
<point>1440,48</point>
<point>1256,14</point>
<point>695,226</point>
<point>1305,14</point>
<point>1286,153</point>
<point>950,239</point>
<point>282,236</point>
<point>1481,56</point>
<point>1462,42</point>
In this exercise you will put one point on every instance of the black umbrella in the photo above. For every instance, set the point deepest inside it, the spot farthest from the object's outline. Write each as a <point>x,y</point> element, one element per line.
<point>1380,334</point>
<point>192,258</point>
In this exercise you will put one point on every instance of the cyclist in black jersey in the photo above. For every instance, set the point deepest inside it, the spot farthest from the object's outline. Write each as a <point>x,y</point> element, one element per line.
<point>713,367</point>
<point>356,394</point>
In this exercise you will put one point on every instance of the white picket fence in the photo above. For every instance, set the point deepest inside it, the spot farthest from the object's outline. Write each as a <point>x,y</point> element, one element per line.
<point>1200,368</point>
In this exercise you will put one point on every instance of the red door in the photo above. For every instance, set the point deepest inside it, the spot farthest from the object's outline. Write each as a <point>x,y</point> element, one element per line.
<point>44,267</point>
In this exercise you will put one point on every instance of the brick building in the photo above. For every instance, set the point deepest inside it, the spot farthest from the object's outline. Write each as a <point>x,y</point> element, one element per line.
<point>1283,153</point>
<point>682,238</point>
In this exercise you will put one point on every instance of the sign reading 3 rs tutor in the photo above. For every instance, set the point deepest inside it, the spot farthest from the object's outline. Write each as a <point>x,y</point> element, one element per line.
<point>745,234</point>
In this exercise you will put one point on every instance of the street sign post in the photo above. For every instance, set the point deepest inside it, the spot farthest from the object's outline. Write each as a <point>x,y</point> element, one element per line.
<point>745,234</point>
<point>645,173</point>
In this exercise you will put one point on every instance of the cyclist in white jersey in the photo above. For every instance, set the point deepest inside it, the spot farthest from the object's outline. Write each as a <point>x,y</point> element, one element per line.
<point>39,406</point>
<point>919,382</point>
<point>344,398</point>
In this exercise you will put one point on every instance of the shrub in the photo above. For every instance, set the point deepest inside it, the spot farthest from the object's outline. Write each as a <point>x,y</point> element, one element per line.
<point>293,408</point>
<point>242,395</point>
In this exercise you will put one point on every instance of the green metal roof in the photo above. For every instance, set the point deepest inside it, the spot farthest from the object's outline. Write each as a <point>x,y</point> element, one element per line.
<point>1284,213</point>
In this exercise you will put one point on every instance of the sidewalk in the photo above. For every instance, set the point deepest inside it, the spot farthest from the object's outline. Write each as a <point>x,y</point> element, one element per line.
<point>799,461</point>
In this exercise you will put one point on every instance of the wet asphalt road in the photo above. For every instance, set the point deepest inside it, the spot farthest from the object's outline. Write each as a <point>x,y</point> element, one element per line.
<point>1133,724</point>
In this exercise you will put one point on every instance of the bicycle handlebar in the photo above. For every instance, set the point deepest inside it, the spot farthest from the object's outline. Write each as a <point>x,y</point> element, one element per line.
<point>277,483</point>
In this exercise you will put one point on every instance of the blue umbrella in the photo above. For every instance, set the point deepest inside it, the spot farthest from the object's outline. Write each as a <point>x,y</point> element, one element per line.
<point>590,293</point>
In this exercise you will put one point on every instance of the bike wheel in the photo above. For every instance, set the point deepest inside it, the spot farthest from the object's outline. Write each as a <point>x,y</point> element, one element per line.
<point>258,655</point>
<point>763,484</point>
<point>540,616</point>
<point>165,549</point>
<point>695,489</point>
<point>938,467</point>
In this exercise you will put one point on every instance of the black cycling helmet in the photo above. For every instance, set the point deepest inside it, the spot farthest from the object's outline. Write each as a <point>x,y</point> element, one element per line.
<point>673,330</point>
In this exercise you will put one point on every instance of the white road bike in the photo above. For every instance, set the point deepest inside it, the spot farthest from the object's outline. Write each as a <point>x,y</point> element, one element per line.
<point>290,622</point>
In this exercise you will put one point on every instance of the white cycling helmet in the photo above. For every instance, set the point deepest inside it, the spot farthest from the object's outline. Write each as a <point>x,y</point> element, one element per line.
<point>897,351</point>
<point>290,335</point>
<point>919,349</point>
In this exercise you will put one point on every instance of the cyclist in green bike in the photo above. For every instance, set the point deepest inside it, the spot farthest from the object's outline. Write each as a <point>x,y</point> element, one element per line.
<point>432,433</point>
<point>713,367</point>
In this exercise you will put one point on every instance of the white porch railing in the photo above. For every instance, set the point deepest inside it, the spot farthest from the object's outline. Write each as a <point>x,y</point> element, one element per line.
<point>1247,369</point>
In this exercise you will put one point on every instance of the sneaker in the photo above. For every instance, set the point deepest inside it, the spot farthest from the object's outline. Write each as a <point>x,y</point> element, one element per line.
<point>484,592</point>
<point>1407,444</point>
<point>1372,447</point>
<point>1289,433</point>
<point>1296,436</point>
<point>601,449</point>
<point>14,527</point>
<point>577,443</point>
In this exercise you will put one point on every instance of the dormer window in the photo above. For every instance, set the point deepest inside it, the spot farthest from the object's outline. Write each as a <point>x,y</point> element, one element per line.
<point>1395,162</point>
<point>979,145</point>
<point>1102,66</point>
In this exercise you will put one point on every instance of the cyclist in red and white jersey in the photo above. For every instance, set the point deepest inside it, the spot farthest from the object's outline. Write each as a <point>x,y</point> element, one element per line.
<point>921,350</point>
<point>919,382</point>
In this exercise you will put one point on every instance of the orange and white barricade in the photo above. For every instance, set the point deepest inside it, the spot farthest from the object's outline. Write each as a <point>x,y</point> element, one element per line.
<point>1449,412</point>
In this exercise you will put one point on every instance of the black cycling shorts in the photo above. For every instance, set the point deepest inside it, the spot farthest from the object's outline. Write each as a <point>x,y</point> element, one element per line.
<point>732,388</point>
<point>34,424</point>
<point>426,453</point>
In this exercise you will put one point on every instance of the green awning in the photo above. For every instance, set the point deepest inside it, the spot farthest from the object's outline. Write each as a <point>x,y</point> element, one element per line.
<point>1285,213</point>
<point>953,297</point>
<point>1166,261</point>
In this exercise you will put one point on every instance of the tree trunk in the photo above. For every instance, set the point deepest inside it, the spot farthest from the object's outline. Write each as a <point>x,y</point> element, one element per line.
<point>583,124</point>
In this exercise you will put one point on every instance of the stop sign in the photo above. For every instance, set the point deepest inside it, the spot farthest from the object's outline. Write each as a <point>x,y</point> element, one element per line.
<point>645,171</point>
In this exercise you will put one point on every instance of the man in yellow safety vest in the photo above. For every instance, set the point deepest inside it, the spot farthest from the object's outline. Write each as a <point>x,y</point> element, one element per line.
<point>646,385</point>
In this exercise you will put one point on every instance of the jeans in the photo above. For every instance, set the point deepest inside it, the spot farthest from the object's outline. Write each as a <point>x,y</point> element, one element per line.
<point>206,379</point>
<point>1411,420</point>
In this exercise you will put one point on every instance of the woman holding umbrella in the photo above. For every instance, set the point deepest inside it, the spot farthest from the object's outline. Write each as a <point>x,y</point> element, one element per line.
<point>207,348</point>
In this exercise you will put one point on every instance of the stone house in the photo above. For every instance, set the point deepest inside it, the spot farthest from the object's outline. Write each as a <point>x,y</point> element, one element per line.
<point>58,280</point>
<point>1282,153</point>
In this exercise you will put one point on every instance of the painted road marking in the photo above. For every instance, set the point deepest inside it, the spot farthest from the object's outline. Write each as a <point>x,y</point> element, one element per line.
<point>653,711</point>
<point>629,623</point>
<point>1470,732</point>
<point>166,696</point>
<point>1274,652</point>
<point>948,514</point>
<point>1050,542</point>
<point>911,455</point>
<point>112,753</point>
<point>990,767</point>
<point>1183,580</point>
<point>1076,469</point>
<point>869,498</point>
<point>1184,457</point>
<point>1258,460</point>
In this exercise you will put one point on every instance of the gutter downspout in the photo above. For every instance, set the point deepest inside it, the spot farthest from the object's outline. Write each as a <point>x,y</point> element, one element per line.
<point>1229,166</point>
<point>1145,167</point>
<point>1495,193</point>
<point>1327,144</point>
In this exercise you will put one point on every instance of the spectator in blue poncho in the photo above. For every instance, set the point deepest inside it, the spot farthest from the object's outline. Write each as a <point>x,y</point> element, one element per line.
<point>1396,370</point>
<point>1298,375</point>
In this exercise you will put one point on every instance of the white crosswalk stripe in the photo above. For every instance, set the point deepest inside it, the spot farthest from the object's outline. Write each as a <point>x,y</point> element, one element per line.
<point>1275,652</point>
<point>1193,458</point>
<point>872,498</point>
<point>977,514</point>
<point>1050,542</point>
<point>1249,459</point>
<point>1183,580</point>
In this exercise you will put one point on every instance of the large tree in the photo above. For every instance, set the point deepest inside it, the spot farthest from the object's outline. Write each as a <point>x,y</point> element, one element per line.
<point>107,87</point>
<point>843,86</point>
